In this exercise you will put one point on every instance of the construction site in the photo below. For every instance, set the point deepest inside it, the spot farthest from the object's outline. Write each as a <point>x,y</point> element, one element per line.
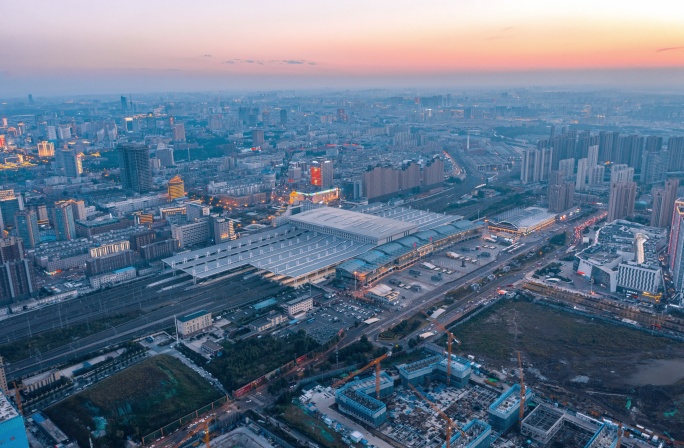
<point>444,400</point>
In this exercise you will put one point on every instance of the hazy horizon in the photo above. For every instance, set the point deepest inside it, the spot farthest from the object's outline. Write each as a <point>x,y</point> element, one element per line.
<point>78,47</point>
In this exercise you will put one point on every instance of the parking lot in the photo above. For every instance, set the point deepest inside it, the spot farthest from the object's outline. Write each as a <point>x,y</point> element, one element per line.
<point>325,322</point>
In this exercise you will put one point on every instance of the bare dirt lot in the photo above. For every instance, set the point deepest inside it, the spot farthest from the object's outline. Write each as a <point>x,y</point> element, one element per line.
<point>590,365</point>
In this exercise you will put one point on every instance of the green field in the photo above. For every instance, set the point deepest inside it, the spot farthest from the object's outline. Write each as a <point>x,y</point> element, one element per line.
<point>247,360</point>
<point>16,351</point>
<point>134,402</point>
<point>558,347</point>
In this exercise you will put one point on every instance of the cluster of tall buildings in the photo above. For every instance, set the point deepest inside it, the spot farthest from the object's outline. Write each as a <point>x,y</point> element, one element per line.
<point>385,181</point>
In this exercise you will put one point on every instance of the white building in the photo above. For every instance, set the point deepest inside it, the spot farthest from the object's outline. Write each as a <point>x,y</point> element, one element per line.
<point>193,323</point>
<point>113,278</point>
<point>191,234</point>
<point>298,306</point>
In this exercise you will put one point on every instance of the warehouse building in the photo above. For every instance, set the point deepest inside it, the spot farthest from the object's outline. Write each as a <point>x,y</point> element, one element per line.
<point>357,399</point>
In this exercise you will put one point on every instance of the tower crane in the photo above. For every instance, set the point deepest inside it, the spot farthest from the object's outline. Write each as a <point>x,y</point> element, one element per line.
<point>450,339</point>
<point>17,397</point>
<point>619,439</point>
<point>374,363</point>
<point>522,390</point>
<point>450,424</point>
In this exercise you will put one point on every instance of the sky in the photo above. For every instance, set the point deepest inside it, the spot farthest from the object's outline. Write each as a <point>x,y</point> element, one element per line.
<point>85,46</point>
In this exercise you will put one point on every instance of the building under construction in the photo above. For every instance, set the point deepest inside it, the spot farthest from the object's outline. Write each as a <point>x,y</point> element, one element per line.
<point>475,434</point>
<point>436,368</point>
<point>504,413</point>
<point>548,425</point>
<point>357,399</point>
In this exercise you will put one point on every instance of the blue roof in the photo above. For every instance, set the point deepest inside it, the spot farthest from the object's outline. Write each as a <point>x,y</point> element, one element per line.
<point>126,269</point>
<point>38,417</point>
<point>265,304</point>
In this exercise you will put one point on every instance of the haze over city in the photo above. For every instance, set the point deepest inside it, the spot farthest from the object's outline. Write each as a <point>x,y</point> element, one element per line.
<point>312,224</point>
<point>79,47</point>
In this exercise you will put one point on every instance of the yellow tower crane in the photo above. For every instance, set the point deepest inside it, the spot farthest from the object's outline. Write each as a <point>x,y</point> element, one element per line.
<point>450,339</point>
<point>374,363</point>
<point>522,390</point>
<point>450,424</point>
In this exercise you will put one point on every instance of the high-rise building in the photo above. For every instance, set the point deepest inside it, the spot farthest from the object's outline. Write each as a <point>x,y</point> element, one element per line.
<point>283,117</point>
<point>26,223</point>
<point>322,173</point>
<point>592,155</point>
<point>621,200</point>
<point>663,203</point>
<point>51,132</point>
<point>675,149</point>
<point>11,249</point>
<point>178,130</point>
<point>676,245</point>
<point>124,103</point>
<point>46,149</point>
<point>433,173</point>
<point>176,187</point>
<point>596,175</point>
<point>654,144</point>
<point>17,281</point>
<point>8,208</point>
<point>409,177</point>
<point>63,219</point>
<point>71,162</point>
<point>77,209</point>
<point>653,167</point>
<point>134,161</point>
<point>64,132</point>
<point>606,142</point>
<point>621,173</point>
<point>257,137</point>
<point>380,181</point>
<point>223,229</point>
<point>567,166</point>
<point>561,194</point>
<point>536,165</point>
<point>629,151</point>
<point>582,174</point>
<point>165,155</point>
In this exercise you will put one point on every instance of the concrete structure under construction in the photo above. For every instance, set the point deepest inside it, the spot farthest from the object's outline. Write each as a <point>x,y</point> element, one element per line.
<point>504,413</point>
<point>476,434</point>
<point>358,400</point>
<point>435,368</point>
<point>549,425</point>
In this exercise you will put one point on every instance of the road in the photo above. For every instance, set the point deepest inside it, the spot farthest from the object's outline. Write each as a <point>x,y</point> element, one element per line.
<point>429,298</point>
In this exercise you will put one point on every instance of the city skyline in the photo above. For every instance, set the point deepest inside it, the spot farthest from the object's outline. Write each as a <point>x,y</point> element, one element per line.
<point>84,47</point>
